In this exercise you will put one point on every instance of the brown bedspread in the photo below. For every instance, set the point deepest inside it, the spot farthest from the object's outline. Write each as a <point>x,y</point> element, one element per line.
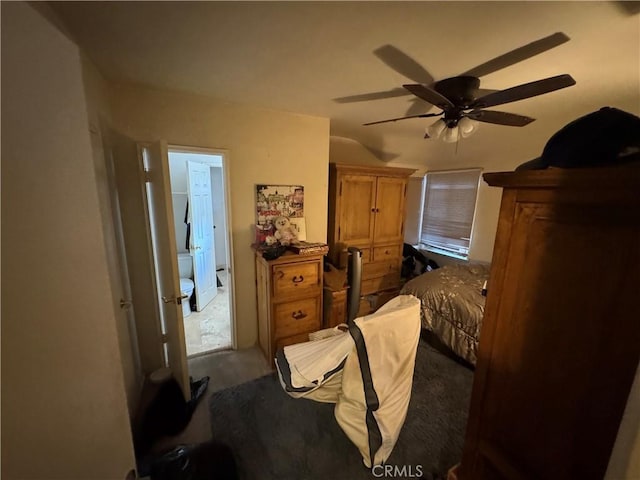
<point>452,305</point>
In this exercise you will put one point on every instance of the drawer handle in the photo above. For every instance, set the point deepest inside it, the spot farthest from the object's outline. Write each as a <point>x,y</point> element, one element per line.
<point>387,252</point>
<point>297,279</point>
<point>299,315</point>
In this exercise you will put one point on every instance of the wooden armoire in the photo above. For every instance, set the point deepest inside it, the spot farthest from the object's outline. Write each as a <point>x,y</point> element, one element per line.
<point>366,210</point>
<point>560,339</point>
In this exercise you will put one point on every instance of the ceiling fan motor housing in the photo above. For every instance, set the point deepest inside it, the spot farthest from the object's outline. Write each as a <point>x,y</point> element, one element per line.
<point>461,91</point>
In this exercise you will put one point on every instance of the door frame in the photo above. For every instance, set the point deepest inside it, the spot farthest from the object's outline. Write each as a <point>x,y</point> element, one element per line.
<point>228,222</point>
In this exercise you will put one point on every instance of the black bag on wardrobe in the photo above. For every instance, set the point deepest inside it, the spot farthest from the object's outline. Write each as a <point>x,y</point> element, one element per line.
<point>608,136</point>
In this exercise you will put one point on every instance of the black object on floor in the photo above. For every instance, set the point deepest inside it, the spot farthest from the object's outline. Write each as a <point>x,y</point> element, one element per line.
<point>218,280</point>
<point>204,461</point>
<point>167,413</point>
<point>274,436</point>
<point>198,388</point>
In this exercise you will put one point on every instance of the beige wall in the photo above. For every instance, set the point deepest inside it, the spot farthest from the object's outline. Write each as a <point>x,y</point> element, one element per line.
<point>346,150</point>
<point>263,146</point>
<point>64,410</point>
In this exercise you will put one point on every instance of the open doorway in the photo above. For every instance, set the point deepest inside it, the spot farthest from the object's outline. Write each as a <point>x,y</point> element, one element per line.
<point>199,199</point>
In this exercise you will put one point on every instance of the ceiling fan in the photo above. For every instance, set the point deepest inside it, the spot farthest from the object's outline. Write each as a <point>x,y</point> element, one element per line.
<point>460,99</point>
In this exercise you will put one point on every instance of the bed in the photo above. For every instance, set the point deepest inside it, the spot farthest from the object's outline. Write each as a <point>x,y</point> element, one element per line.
<point>452,305</point>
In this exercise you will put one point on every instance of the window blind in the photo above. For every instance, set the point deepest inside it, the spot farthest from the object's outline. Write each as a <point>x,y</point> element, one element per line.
<point>448,209</point>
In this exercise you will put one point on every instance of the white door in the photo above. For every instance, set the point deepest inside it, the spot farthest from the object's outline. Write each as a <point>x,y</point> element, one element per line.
<point>201,243</point>
<point>156,162</point>
<point>118,272</point>
<point>131,205</point>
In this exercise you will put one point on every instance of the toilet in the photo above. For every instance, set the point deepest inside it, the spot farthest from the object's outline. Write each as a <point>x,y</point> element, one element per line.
<point>185,267</point>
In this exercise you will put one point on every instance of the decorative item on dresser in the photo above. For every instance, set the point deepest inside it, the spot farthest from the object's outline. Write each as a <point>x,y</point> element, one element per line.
<point>289,299</point>
<point>560,340</point>
<point>366,210</point>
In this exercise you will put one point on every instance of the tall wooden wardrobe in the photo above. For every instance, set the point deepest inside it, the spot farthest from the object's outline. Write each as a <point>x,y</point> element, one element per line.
<point>366,210</point>
<point>560,339</point>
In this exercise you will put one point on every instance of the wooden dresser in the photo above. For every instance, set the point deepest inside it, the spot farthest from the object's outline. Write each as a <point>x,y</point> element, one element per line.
<point>334,305</point>
<point>560,340</point>
<point>366,210</point>
<point>289,300</point>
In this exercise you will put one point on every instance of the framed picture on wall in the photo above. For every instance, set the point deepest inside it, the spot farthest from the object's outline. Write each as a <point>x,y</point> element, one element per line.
<point>274,201</point>
<point>300,227</point>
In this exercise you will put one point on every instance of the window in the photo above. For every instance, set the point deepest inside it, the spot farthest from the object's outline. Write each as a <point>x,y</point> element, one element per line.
<point>447,211</point>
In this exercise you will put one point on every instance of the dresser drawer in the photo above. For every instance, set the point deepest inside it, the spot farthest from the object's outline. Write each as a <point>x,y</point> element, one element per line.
<point>334,307</point>
<point>378,269</point>
<point>299,338</point>
<point>374,285</point>
<point>344,257</point>
<point>387,252</point>
<point>299,316</point>
<point>296,279</point>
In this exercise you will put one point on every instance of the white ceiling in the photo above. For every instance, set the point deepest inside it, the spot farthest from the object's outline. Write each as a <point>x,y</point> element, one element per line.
<point>300,56</point>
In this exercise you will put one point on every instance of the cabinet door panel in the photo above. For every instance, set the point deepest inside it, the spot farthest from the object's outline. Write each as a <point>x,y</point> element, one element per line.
<point>556,309</point>
<point>358,196</point>
<point>389,216</point>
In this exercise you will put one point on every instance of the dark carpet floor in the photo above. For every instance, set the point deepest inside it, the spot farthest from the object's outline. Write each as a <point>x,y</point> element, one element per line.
<point>276,437</point>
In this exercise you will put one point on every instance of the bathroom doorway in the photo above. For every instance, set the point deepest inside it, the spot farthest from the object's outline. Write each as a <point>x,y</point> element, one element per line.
<point>200,210</point>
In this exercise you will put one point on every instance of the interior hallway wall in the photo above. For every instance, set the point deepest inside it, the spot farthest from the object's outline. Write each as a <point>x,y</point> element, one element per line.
<point>264,147</point>
<point>64,407</point>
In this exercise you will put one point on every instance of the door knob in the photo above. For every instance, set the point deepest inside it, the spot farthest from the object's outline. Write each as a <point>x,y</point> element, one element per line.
<point>177,299</point>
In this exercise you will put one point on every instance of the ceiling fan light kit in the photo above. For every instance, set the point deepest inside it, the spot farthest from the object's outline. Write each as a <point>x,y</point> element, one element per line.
<point>451,135</point>
<point>460,98</point>
<point>449,130</point>
<point>436,128</point>
<point>467,126</point>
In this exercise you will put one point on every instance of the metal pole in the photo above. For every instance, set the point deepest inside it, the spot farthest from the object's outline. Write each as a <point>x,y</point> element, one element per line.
<point>354,278</point>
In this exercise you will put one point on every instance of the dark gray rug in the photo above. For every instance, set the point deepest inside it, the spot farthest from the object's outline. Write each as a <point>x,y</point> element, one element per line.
<point>276,437</point>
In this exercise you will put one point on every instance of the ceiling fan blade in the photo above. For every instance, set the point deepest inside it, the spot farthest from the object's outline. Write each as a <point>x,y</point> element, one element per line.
<point>363,97</point>
<point>403,64</point>
<point>500,118</point>
<point>482,92</point>
<point>526,90</point>
<point>429,95</point>
<point>423,115</point>
<point>417,106</point>
<point>519,54</point>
